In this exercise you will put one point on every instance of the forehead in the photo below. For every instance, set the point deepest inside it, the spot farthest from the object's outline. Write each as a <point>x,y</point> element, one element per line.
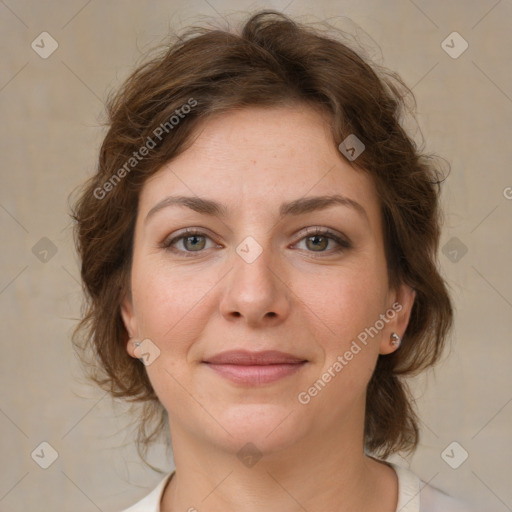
<point>254,158</point>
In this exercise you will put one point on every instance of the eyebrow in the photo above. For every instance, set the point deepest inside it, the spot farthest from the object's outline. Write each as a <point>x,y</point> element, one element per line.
<point>297,207</point>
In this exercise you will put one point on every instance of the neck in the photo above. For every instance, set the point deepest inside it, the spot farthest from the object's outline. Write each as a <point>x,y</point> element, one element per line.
<point>315,474</point>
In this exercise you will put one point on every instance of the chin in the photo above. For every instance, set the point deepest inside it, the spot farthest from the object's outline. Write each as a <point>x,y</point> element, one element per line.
<point>268,427</point>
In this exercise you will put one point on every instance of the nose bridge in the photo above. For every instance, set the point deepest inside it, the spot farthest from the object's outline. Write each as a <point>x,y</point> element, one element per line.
<point>256,245</point>
<point>254,288</point>
<point>252,261</point>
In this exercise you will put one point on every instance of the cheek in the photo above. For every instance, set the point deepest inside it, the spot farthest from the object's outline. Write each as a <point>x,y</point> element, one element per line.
<point>346,306</point>
<point>345,302</point>
<point>168,304</point>
<point>345,309</point>
<point>171,312</point>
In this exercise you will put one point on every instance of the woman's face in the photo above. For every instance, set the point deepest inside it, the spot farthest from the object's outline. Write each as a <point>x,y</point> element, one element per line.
<point>254,277</point>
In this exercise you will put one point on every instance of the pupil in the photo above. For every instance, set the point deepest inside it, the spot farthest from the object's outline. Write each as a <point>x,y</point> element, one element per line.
<point>193,237</point>
<point>316,237</point>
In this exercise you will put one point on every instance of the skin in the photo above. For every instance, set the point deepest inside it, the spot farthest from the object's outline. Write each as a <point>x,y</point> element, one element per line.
<point>310,301</point>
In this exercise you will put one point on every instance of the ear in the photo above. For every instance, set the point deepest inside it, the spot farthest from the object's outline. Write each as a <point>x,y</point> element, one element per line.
<point>130,322</point>
<point>400,302</point>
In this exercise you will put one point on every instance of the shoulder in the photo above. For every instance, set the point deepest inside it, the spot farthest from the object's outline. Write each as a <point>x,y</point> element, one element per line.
<point>415,495</point>
<point>151,502</point>
<point>435,500</point>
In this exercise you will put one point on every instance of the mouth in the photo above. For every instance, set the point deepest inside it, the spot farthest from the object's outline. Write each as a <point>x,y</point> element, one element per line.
<point>255,368</point>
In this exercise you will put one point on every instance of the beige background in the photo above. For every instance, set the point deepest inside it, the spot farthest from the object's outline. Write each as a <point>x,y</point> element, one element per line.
<point>52,110</point>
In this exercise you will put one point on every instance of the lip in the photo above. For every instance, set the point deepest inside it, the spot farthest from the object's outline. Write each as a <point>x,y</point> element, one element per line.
<point>245,357</point>
<point>255,368</point>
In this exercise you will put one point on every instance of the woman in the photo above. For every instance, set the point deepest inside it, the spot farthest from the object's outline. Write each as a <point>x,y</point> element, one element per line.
<point>258,247</point>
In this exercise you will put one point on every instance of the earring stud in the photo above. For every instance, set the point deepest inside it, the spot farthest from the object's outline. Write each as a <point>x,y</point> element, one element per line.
<point>395,340</point>
<point>135,343</point>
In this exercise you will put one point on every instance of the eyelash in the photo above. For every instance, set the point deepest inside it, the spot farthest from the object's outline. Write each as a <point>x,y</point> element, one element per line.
<point>343,244</point>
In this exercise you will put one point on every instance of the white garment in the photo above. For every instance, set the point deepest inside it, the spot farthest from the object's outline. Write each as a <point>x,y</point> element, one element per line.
<point>414,495</point>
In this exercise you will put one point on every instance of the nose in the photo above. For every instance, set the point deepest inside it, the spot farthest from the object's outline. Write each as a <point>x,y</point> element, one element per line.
<point>255,290</point>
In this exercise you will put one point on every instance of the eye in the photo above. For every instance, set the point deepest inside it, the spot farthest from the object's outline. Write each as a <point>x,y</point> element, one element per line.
<point>317,240</point>
<point>191,241</point>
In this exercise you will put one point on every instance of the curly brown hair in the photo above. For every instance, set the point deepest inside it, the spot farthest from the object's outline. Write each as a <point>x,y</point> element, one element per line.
<point>271,61</point>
